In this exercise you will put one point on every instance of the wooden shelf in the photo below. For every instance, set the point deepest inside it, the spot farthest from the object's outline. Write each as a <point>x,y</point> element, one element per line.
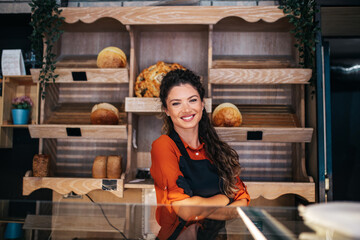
<point>77,185</point>
<point>140,184</point>
<point>92,75</point>
<point>273,190</point>
<point>151,105</point>
<point>268,190</point>
<point>264,134</point>
<point>266,124</point>
<point>76,131</point>
<point>8,124</point>
<point>259,76</point>
<point>249,62</point>
<point>78,114</point>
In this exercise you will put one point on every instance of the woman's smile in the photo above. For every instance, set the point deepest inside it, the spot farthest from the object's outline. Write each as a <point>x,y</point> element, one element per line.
<point>188,117</point>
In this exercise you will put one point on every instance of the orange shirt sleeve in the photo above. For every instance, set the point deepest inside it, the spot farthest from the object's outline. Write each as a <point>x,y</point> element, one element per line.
<point>242,193</point>
<point>165,170</point>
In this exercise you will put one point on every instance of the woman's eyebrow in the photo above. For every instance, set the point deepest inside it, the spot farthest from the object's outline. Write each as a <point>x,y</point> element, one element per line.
<point>175,99</point>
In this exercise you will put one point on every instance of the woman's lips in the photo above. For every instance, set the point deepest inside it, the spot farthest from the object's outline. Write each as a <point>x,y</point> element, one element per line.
<point>188,117</point>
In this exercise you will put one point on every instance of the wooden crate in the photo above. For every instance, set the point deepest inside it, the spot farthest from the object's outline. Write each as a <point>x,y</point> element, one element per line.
<point>16,86</point>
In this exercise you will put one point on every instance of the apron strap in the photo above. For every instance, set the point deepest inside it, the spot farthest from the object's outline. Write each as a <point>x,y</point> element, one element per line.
<point>176,138</point>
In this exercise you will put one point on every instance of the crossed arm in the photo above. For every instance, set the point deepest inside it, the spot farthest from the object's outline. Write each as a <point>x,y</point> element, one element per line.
<point>215,207</point>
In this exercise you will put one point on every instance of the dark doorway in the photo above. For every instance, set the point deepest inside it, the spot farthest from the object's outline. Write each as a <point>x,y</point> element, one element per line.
<point>345,117</point>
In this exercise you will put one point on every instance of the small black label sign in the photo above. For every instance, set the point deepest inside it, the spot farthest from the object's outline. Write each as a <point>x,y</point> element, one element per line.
<point>254,135</point>
<point>108,184</point>
<point>79,76</point>
<point>73,132</point>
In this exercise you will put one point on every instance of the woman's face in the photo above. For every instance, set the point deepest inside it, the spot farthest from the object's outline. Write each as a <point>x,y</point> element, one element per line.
<point>184,107</point>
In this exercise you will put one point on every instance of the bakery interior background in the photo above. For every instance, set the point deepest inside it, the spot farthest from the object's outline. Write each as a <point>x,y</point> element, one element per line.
<point>345,89</point>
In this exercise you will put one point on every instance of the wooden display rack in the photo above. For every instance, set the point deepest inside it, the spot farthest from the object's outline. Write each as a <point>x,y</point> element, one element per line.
<point>245,56</point>
<point>16,86</point>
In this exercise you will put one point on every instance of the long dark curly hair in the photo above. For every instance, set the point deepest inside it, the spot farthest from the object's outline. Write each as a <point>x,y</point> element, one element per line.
<point>220,153</point>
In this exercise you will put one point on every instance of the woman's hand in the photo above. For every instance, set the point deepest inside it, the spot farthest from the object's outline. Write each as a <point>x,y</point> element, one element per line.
<point>228,212</point>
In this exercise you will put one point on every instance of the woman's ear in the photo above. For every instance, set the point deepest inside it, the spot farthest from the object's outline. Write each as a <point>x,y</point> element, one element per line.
<point>167,112</point>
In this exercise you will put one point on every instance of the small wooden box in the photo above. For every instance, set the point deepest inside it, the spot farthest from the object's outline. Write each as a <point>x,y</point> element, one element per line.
<point>16,86</point>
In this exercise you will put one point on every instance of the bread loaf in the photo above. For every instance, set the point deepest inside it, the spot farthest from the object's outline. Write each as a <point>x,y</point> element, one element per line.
<point>41,165</point>
<point>148,81</point>
<point>104,114</point>
<point>99,167</point>
<point>111,57</point>
<point>113,169</point>
<point>226,115</point>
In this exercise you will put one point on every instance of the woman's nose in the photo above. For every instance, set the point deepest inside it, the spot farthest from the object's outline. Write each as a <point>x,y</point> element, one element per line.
<point>186,107</point>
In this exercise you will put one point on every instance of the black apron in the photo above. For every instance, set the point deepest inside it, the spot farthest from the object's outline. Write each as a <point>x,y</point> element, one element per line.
<point>204,181</point>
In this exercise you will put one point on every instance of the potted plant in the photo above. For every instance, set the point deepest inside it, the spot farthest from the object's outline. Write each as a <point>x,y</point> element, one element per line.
<point>46,22</point>
<point>21,109</point>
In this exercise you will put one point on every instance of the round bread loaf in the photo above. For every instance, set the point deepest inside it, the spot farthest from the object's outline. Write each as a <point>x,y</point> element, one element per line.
<point>99,167</point>
<point>113,167</point>
<point>104,114</point>
<point>226,115</point>
<point>148,81</point>
<point>111,57</point>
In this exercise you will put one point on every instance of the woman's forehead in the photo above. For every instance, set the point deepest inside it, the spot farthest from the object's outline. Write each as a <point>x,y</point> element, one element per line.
<point>183,90</point>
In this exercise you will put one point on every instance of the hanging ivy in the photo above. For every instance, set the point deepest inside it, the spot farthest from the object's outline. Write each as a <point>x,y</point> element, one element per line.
<point>302,15</point>
<point>46,23</point>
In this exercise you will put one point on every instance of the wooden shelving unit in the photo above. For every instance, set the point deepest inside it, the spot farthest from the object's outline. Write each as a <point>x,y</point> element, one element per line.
<point>16,86</point>
<point>245,55</point>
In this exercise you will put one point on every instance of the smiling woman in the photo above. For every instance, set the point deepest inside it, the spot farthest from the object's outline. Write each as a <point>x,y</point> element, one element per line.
<point>191,165</point>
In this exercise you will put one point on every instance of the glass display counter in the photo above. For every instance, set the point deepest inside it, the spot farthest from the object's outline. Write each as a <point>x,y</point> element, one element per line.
<point>91,220</point>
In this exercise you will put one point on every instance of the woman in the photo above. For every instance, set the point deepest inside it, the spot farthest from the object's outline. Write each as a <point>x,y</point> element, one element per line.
<point>191,166</point>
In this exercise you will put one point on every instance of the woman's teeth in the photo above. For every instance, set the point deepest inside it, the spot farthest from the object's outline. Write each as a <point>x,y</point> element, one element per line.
<point>187,117</point>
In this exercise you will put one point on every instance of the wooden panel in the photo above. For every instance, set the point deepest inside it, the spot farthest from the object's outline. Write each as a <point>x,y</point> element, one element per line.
<point>259,76</point>
<point>272,190</point>
<point>172,15</point>
<point>73,223</point>
<point>86,131</point>
<point>91,43</point>
<point>250,62</point>
<point>188,48</point>
<point>264,162</point>
<point>6,137</point>
<point>74,157</point>
<point>266,43</point>
<point>67,185</point>
<point>274,96</point>
<point>151,105</point>
<point>112,93</point>
<point>290,134</point>
<point>93,75</point>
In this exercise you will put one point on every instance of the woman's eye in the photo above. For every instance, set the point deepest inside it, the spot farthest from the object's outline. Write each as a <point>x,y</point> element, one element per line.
<point>175,104</point>
<point>193,100</point>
